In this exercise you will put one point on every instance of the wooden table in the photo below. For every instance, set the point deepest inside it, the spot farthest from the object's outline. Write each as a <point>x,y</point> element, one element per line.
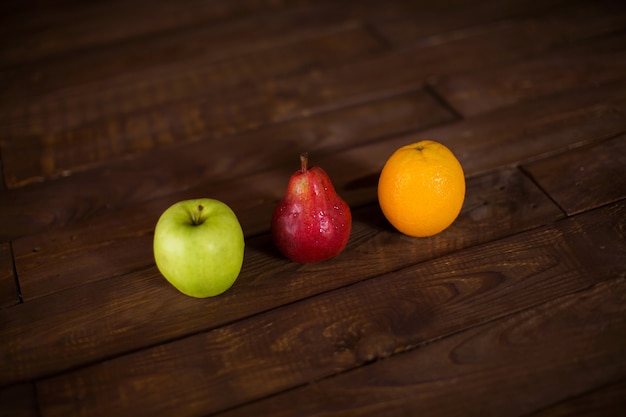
<point>113,110</point>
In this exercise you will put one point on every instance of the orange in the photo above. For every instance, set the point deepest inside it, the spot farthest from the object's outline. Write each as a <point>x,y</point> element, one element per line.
<point>421,188</point>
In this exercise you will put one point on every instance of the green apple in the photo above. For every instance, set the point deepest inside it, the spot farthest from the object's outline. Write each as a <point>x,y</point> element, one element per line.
<point>199,246</point>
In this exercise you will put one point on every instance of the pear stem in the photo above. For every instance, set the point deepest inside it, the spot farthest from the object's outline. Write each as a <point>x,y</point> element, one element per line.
<point>304,162</point>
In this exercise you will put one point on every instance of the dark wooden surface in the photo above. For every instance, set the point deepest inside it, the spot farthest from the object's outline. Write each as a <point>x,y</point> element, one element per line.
<point>110,111</point>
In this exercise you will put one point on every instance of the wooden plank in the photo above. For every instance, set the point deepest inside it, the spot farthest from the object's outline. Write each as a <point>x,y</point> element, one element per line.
<point>64,28</point>
<point>430,24</point>
<point>58,145</point>
<point>18,401</point>
<point>67,101</point>
<point>63,22</point>
<point>497,140</point>
<point>8,290</point>
<point>607,401</point>
<point>120,313</point>
<point>10,8</point>
<point>210,43</point>
<point>120,243</point>
<point>584,178</point>
<point>583,64</point>
<point>532,129</point>
<point>198,165</point>
<point>414,28</point>
<point>42,31</point>
<point>554,123</point>
<point>220,39</point>
<point>3,185</point>
<point>521,363</point>
<point>161,113</point>
<point>361,323</point>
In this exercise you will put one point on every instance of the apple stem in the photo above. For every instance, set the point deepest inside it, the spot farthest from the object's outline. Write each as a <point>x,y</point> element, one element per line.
<point>196,220</point>
<point>304,161</point>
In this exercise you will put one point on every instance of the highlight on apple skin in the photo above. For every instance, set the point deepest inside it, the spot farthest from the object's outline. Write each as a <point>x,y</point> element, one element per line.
<point>199,247</point>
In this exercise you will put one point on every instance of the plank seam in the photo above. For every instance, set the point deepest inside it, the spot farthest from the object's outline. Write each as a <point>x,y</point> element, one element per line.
<point>580,395</point>
<point>18,288</point>
<point>409,347</point>
<point>3,181</point>
<point>412,347</point>
<point>522,166</point>
<point>430,89</point>
<point>382,39</point>
<point>531,177</point>
<point>38,408</point>
<point>149,36</point>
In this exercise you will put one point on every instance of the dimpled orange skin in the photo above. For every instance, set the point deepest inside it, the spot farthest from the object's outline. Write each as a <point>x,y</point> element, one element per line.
<point>421,188</point>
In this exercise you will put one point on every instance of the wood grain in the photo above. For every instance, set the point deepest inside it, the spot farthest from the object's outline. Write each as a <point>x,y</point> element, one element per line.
<point>343,329</point>
<point>72,26</point>
<point>544,17</point>
<point>533,129</point>
<point>68,26</point>
<point>3,186</point>
<point>517,360</point>
<point>112,110</point>
<point>140,309</point>
<point>68,102</point>
<point>120,243</point>
<point>584,64</point>
<point>219,40</point>
<point>584,178</point>
<point>201,167</point>
<point>18,401</point>
<point>606,401</point>
<point>431,24</point>
<point>8,290</point>
<point>555,124</point>
<point>275,100</point>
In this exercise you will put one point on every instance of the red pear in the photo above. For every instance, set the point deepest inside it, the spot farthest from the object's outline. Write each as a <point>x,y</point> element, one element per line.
<point>311,223</point>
